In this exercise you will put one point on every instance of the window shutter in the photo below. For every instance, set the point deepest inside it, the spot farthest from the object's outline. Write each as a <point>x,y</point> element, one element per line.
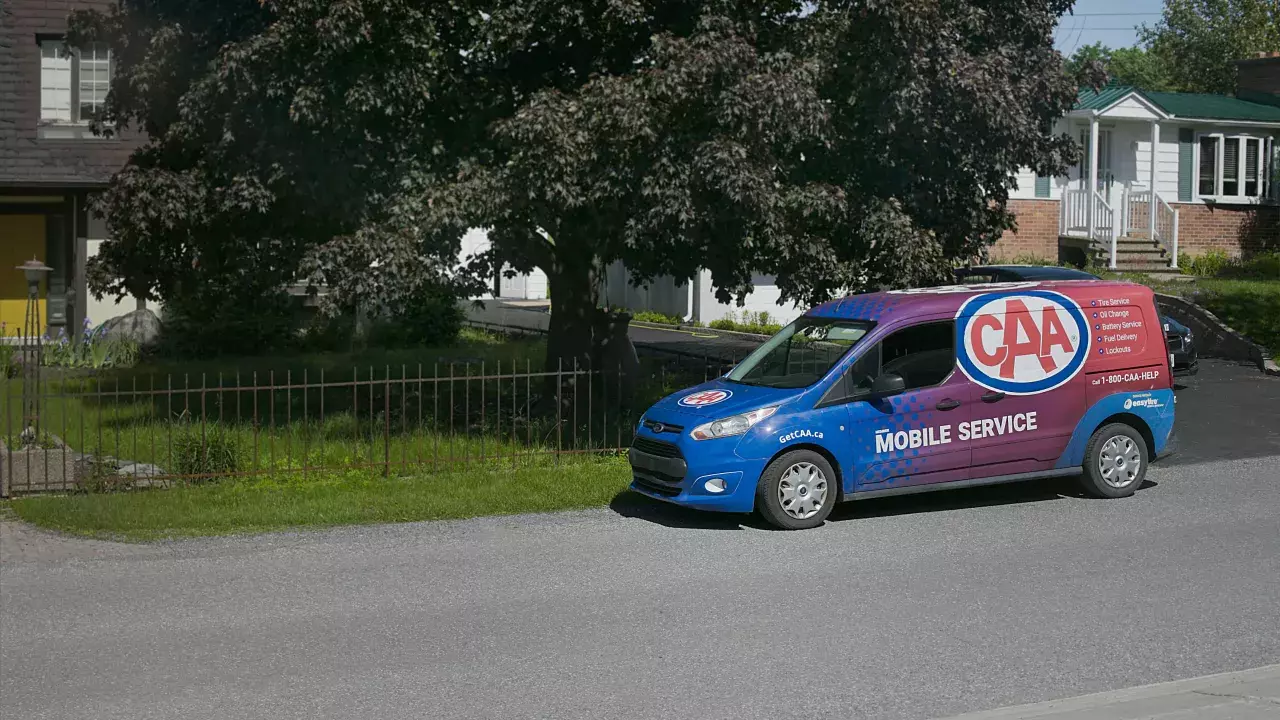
<point>1042,187</point>
<point>1272,169</point>
<point>1186,148</point>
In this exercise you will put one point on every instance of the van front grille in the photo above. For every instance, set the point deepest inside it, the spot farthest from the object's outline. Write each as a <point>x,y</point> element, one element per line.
<point>659,448</point>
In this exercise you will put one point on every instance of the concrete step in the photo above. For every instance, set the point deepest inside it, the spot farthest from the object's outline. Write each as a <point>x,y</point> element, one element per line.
<point>1142,267</point>
<point>1147,255</point>
<point>1130,241</point>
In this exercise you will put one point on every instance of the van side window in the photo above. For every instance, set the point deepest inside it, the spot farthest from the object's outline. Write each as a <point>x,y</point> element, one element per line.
<point>924,355</point>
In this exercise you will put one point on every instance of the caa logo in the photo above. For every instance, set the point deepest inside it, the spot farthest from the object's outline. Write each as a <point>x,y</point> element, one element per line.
<point>706,397</point>
<point>1021,343</point>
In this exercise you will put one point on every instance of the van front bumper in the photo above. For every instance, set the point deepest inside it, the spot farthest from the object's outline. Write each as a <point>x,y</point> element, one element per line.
<point>682,481</point>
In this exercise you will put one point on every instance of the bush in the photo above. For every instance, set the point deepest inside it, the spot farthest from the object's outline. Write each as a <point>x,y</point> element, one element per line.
<point>431,318</point>
<point>208,451</point>
<point>651,316</point>
<point>1264,266</point>
<point>759,323</point>
<point>1207,265</point>
<point>205,325</point>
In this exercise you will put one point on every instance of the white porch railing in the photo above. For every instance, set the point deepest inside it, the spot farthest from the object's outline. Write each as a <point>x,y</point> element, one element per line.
<point>1075,213</point>
<point>1102,228</point>
<point>1138,208</point>
<point>1104,224</point>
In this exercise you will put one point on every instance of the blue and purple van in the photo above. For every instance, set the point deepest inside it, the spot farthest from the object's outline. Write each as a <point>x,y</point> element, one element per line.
<point>916,390</point>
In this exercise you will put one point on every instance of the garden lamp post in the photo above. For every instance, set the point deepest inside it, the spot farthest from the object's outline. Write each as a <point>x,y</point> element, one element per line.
<point>34,271</point>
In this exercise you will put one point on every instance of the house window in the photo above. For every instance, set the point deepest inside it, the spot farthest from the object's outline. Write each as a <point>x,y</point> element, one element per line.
<point>1208,166</point>
<point>1233,167</point>
<point>73,82</point>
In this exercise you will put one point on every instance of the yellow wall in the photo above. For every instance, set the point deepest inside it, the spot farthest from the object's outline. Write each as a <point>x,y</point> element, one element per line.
<point>21,238</point>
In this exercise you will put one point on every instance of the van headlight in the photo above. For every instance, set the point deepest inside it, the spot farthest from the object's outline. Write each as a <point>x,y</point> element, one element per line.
<point>735,425</point>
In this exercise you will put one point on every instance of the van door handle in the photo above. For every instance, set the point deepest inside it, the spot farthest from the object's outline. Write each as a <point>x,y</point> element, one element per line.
<point>947,404</point>
<point>992,396</point>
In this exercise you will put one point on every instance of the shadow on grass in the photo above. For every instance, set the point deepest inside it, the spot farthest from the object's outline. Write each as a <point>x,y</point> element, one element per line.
<point>631,504</point>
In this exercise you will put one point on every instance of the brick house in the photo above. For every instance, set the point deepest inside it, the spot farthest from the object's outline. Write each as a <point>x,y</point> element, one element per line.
<point>1213,161</point>
<point>49,160</point>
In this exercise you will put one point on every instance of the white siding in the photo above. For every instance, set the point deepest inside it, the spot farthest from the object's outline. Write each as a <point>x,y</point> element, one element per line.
<point>663,295</point>
<point>1026,189</point>
<point>1130,108</point>
<point>531,286</point>
<point>99,311</point>
<point>1166,160</point>
<point>1026,179</point>
<point>763,299</point>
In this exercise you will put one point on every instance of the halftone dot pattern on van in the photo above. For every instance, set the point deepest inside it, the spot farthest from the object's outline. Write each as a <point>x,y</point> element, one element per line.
<point>911,413</point>
<point>860,307</point>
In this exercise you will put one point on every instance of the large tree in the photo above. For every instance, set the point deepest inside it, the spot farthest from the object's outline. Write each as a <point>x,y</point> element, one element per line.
<point>1133,66</point>
<point>838,145</point>
<point>1198,41</point>
<point>279,138</point>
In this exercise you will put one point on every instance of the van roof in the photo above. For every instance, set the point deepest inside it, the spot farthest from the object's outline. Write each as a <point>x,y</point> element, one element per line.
<point>946,300</point>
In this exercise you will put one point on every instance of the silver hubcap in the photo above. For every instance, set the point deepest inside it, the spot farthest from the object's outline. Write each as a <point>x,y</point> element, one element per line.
<point>802,490</point>
<point>1120,461</point>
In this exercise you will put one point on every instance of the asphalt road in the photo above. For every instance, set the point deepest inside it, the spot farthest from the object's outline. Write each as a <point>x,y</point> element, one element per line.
<point>910,607</point>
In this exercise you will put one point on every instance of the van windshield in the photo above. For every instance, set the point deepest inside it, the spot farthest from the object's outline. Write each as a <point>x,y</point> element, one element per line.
<point>801,353</point>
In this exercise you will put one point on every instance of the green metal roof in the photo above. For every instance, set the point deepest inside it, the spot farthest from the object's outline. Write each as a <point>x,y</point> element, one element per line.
<point>1184,105</point>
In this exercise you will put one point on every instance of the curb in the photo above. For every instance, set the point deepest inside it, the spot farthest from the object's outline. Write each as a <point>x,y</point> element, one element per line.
<point>686,326</point>
<point>1096,704</point>
<point>1269,367</point>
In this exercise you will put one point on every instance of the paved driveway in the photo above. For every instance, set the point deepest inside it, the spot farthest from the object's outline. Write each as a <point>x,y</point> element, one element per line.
<point>902,608</point>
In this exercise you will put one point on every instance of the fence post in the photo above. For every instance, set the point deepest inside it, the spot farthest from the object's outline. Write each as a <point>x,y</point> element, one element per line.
<point>1174,264</point>
<point>386,417</point>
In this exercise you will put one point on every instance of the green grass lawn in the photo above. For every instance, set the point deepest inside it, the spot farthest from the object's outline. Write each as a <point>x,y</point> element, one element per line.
<point>337,498</point>
<point>390,450</point>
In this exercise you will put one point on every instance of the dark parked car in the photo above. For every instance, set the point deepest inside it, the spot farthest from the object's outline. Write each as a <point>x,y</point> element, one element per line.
<point>1177,336</point>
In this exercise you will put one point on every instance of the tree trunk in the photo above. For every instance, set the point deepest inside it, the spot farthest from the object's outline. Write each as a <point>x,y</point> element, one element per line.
<point>573,311</point>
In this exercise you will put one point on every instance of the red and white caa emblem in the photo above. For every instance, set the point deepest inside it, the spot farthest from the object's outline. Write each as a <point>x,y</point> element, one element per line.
<point>706,397</point>
<point>1021,343</point>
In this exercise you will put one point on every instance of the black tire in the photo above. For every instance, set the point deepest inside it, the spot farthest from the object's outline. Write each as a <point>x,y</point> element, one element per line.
<point>795,515</point>
<point>1109,461</point>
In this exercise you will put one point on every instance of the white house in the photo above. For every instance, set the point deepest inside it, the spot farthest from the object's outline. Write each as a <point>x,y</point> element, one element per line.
<point>1213,162</point>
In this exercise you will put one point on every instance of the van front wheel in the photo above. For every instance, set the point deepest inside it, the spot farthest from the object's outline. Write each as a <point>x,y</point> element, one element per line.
<point>796,490</point>
<point>1115,462</point>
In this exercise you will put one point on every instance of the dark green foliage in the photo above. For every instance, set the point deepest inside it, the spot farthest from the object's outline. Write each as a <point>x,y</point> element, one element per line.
<point>836,145</point>
<point>431,317</point>
<point>202,324</point>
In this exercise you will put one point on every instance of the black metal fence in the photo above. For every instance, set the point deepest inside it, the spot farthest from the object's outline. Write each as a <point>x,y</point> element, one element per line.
<point>106,430</point>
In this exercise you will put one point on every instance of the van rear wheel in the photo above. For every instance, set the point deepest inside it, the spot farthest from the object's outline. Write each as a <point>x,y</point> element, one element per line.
<point>797,490</point>
<point>1115,461</point>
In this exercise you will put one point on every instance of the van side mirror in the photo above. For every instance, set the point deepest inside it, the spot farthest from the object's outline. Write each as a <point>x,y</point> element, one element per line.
<point>887,385</point>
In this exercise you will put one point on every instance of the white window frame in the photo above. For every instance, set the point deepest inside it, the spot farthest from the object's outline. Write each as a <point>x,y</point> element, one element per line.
<point>77,126</point>
<point>1265,143</point>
